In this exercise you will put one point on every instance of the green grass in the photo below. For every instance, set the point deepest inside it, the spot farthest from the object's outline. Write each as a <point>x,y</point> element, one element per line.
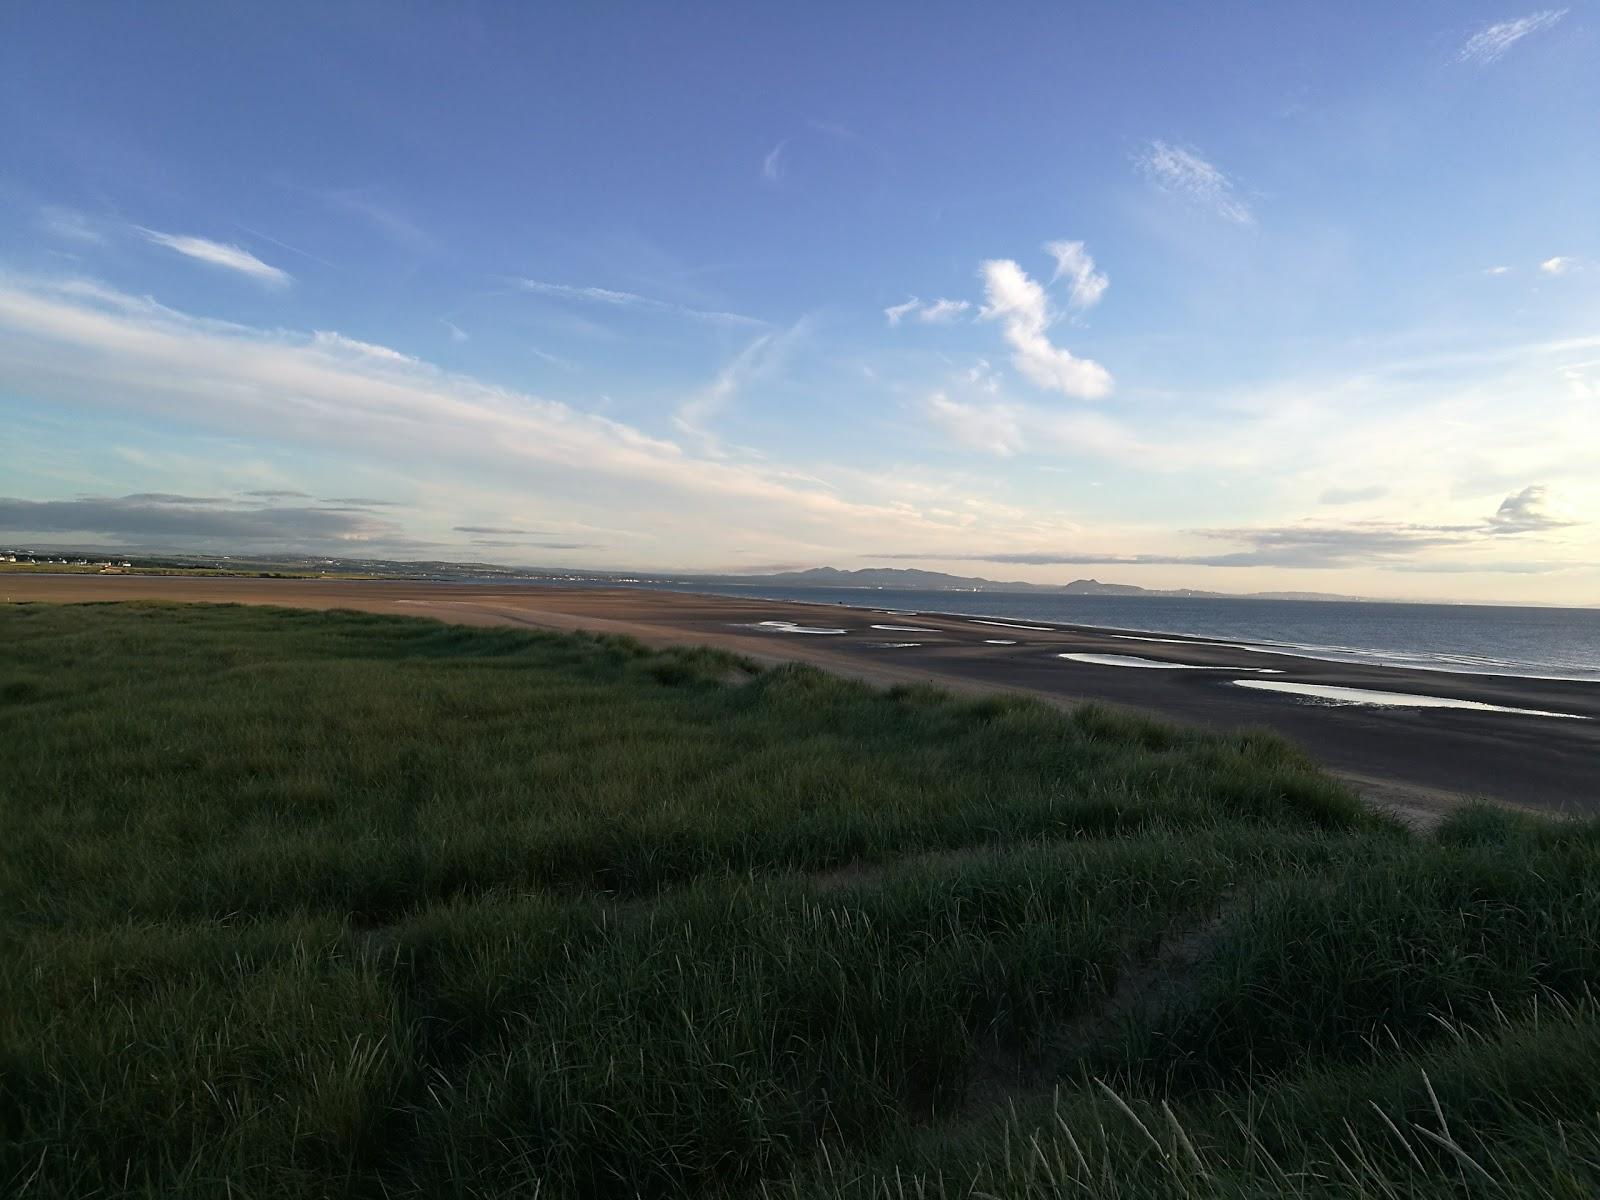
<point>27,568</point>
<point>328,904</point>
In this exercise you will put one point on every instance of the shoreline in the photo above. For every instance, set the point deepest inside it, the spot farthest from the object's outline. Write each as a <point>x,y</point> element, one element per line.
<point>1418,761</point>
<point>1288,649</point>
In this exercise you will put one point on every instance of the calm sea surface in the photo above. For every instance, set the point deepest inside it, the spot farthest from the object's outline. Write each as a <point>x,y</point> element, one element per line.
<point>1559,643</point>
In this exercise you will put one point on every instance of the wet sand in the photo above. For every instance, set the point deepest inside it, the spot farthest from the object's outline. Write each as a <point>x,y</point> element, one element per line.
<point>1419,761</point>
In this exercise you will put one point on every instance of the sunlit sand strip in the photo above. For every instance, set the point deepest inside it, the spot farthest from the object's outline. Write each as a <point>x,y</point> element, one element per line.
<point>1368,696</point>
<point>1014,625</point>
<point>904,629</point>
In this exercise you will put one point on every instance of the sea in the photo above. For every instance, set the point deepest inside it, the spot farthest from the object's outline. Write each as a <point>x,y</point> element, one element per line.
<point>1547,643</point>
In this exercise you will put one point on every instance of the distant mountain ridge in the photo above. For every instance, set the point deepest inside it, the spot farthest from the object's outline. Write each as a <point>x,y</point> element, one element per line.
<point>939,581</point>
<point>864,578</point>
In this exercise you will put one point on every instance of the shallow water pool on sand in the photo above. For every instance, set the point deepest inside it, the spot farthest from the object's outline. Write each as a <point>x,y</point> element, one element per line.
<point>1330,694</point>
<point>1129,660</point>
<point>791,627</point>
<point>1135,637</point>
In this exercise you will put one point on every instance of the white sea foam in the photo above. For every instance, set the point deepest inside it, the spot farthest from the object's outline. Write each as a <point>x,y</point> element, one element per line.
<point>1014,625</point>
<point>998,642</point>
<point>905,629</point>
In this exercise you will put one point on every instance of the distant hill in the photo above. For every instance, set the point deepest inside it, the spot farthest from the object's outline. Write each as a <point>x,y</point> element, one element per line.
<point>908,578</point>
<point>939,581</point>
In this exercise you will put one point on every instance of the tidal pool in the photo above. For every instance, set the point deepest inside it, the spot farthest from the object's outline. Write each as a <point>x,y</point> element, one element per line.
<point>1369,696</point>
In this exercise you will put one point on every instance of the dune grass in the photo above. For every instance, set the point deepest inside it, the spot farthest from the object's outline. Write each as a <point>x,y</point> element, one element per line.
<point>327,904</point>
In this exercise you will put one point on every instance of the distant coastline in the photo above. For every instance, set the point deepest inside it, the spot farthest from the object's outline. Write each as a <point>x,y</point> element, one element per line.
<point>866,579</point>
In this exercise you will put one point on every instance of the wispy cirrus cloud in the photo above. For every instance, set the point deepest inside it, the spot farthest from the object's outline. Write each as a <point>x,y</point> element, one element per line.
<point>338,343</point>
<point>619,299</point>
<point>70,225</point>
<point>98,350</point>
<point>221,254</point>
<point>382,216</point>
<point>761,359</point>
<point>937,312</point>
<point>772,165</point>
<point>989,428</point>
<point>1183,172</point>
<point>1492,42</point>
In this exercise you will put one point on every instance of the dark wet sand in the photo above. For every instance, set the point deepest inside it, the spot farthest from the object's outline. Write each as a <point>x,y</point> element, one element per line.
<point>1418,761</point>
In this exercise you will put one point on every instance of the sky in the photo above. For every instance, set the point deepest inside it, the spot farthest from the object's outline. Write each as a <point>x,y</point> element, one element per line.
<point>1229,296</point>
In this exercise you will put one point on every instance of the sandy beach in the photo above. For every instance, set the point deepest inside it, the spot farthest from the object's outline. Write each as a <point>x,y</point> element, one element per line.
<point>1419,761</point>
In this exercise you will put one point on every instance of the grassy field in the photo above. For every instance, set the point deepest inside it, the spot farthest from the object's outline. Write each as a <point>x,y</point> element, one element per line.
<point>327,904</point>
<point>48,568</point>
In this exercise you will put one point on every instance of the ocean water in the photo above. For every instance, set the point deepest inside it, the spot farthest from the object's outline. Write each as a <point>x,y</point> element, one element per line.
<point>1554,643</point>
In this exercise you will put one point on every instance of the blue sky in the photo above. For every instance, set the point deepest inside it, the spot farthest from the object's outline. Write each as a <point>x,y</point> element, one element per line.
<point>1229,296</point>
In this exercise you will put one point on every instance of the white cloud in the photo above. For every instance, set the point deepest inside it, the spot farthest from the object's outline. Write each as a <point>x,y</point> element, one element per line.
<point>990,428</point>
<point>68,224</point>
<point>1532,510</point>
<point>1491,42</point>
<point>982,375</point>
<point>1559,265</point>
<point>939,312</point>
<point>1023,309</point>
<point>307,391</point>
<point>220,254</point>
<point>1352,495</point>
<point>598,295</point>
<point>338,343</point>
<point>896,311</point>
<point>388,221</point>
<point>457,334</point>
<point>1074,264</point>
<point>555,360</point>
<point>1496,270</point>
<point>1184,172</point>
<point>772,164</point>
<point>942,311</point>
<point>760,360</point>
<point>95,354</point>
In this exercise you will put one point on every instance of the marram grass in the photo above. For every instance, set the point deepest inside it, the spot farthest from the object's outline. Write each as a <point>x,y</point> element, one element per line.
<point>326,904</point>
